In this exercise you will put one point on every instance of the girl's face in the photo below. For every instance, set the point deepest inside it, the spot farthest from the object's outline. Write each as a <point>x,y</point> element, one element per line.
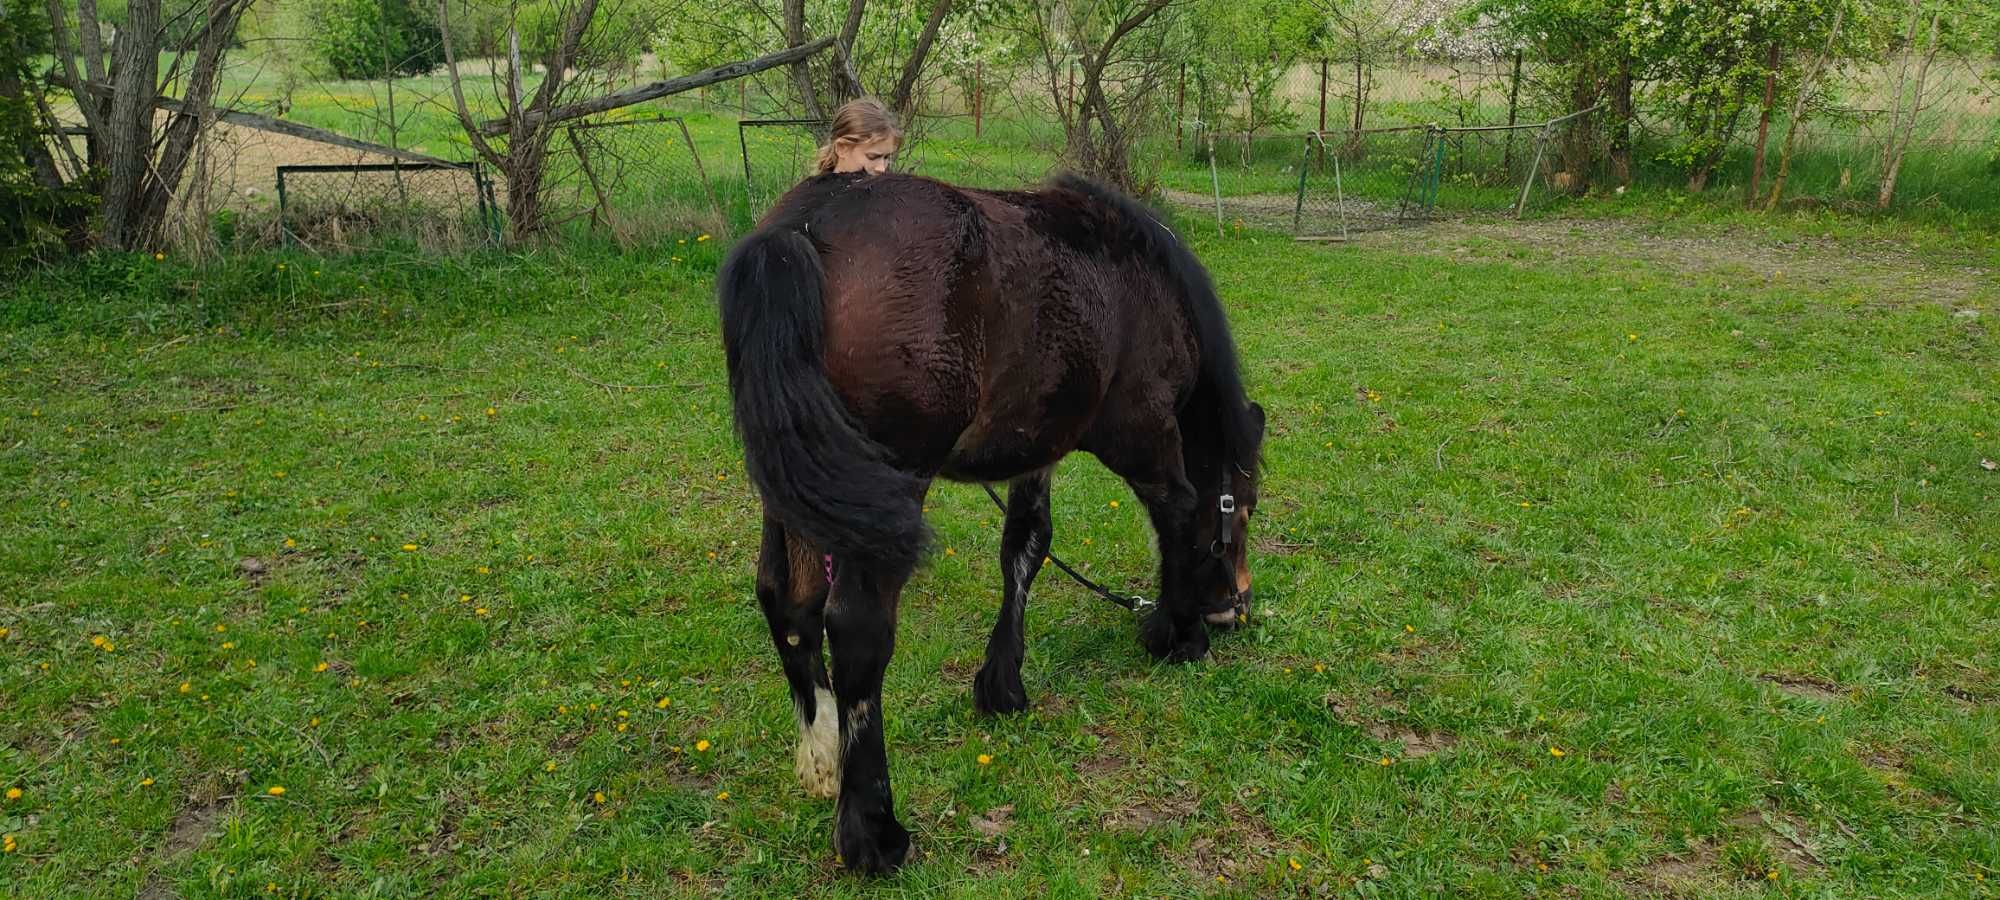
<point>870,156</point>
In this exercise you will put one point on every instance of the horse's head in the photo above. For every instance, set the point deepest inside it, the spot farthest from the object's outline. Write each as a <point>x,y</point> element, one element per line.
<point>1227,507</point>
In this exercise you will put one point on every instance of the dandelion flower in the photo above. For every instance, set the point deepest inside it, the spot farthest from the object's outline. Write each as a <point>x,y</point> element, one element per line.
<point>985,759</point>
<point>1294,863</point>
<point>622,726</point>
<point>722,796</point>
<point>480,611</point>
<point>598,797</point>
<point>701,746</point>
<point>321,667</point>
<point>409,548</point>
<point>13,793</point>
<point>290,544</point>
<point>549,766</point>
<point>1384,761</point>
<point>145,782</point>
<point>1557,752</point>
<point>186,687</point>
<point>664,702</point>
<point>276,790</point>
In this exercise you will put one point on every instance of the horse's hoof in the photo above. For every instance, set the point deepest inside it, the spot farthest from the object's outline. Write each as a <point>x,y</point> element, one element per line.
<point>1169,644</point>
<point>871,845</point>
<point>997,690</point>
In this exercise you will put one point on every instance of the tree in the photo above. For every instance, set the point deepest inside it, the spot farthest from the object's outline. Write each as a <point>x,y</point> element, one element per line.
<point>357,39</point>
<point>1246,47</point>
<point>141,162</point>
<point>1112,53</point>
<point>1924,30</point>
<point>38,211</point>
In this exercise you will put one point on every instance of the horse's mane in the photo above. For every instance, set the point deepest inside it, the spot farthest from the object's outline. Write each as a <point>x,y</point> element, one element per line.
<point>1140,231</point>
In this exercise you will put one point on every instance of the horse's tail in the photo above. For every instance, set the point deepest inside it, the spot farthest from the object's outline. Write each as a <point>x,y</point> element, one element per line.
<point>818,473</point>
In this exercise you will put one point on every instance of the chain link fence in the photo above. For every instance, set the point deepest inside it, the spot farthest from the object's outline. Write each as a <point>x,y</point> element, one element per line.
<point>776,154</point>
<point>428,206</point>
<point>1330,185</point>
<point>632,180</point>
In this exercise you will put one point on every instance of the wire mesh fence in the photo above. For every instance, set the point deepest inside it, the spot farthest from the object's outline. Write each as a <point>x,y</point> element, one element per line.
<point>632,180</point>
<point>776,153</point>
<point>1329,185</point>
<point>431,206</point>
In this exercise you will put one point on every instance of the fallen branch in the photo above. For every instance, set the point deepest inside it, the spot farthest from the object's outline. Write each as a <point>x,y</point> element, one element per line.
<point>291,129</point>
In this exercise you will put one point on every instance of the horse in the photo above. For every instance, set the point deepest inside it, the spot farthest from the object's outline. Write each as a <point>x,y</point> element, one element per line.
<point>885,331</point>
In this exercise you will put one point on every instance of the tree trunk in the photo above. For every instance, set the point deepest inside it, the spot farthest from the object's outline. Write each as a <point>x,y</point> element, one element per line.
<point>1513,111</point>
<point>795,35</point>
<point>1764,124</point>
<point>1621,123</point>
<point>1360,95</point>
<point>128,137</point>
<point>978,95</point>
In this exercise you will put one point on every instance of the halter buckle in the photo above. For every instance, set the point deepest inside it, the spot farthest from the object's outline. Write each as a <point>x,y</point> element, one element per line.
<point>1228,503</point>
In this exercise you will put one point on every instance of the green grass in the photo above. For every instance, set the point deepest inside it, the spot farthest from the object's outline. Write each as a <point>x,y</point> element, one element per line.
<point>1718,534</point>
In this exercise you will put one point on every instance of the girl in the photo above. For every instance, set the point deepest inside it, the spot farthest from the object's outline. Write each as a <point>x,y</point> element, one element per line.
<point>865,138</point>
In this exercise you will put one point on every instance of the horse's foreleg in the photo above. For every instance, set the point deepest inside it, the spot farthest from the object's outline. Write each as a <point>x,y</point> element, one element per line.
<point>861,629</point>
<point>791,588</point>
<point>1023,545</point>
<point>1173,631</point>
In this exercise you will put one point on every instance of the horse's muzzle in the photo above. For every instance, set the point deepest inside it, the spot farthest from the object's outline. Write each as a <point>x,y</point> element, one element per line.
<point>1231,613</point>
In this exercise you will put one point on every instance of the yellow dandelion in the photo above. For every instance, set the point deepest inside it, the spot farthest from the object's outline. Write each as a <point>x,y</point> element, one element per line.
<point>950,551</point>
<point>13,793</point>
<point>492,411</point>
<point>480,611</point>
<point>312,722</point>
<point>664,702</point>
<point>159,257</point>
<point>1294,862</point>
<point>1557,752</point>
<point>221,628</point>
<point>228,645</point>
<point>465,598</point>
<point>623,725</point>
<point>724,795</point>
<point>186,687</point>
<point>5,632</point>
<point>485,571</point>
<point>598,797</point>
<point>701,746</point>
<point>1384,761</point>
<point>276,790</point>
<point>321,667</point>
<point>145,782</point>
<point>985,759</point>
<point>1319,668</point>
<point>549,766</point>
<point>700,239</point>
<point>409,548</point>
<point>1409,629</point>
<point>1114,504</point>
<point>622,713</point>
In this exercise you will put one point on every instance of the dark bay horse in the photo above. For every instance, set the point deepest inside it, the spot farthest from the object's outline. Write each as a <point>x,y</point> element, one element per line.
<point>885,331</point>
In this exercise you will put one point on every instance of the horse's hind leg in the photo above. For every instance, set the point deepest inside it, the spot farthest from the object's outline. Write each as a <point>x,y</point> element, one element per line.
<point>792,588</point>
<point>1023,545</point>
<point>861,629</point>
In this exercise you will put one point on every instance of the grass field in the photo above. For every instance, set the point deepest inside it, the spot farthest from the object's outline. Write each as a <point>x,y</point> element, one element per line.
<point>1595,556</point>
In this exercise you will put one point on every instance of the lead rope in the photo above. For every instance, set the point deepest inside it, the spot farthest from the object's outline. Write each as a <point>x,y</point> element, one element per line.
<point>1133,603</point>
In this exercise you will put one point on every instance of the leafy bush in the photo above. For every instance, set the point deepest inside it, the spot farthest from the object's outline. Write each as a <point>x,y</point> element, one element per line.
<point>360,38</point>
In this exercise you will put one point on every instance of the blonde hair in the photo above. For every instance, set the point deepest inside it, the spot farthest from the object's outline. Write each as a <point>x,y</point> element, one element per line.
<point>857,122</point>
